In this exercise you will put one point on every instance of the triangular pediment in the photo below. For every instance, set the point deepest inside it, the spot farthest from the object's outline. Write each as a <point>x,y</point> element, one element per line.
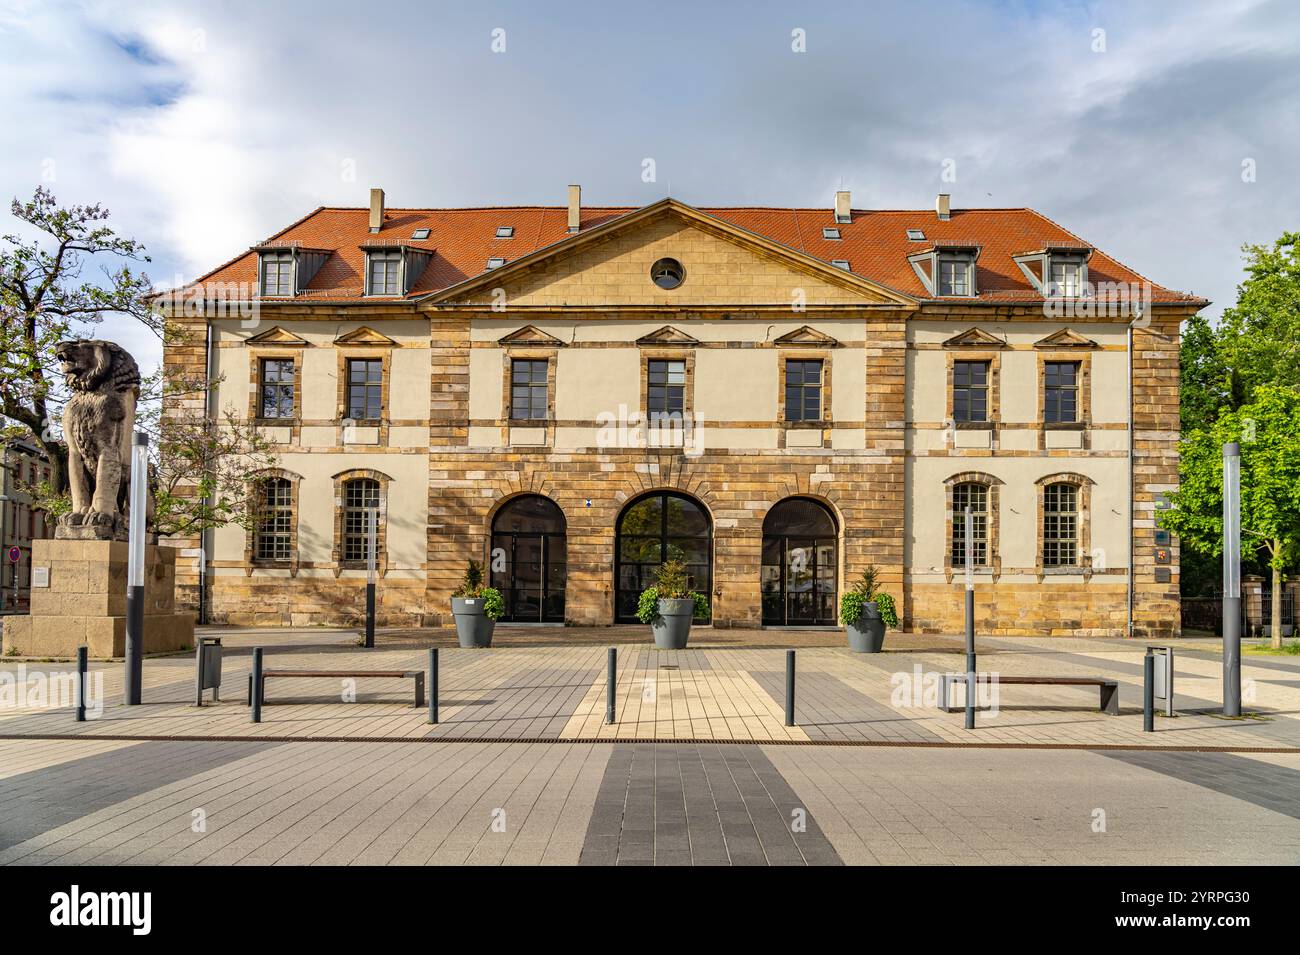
<point>807,336</point>
<point>667,336</point>
<point>724,265</point>
<point>276,336</point>
<point>529,335</point>
<point>976,337</point>
<point>1065,338</point>
<point>365,335</point>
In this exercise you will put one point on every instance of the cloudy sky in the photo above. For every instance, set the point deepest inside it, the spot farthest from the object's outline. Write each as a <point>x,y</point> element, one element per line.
<point>1166,133</point>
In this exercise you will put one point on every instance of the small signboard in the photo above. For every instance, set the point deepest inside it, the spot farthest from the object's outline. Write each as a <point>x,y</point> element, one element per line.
<point>15,555</point>
<point>40,576</point>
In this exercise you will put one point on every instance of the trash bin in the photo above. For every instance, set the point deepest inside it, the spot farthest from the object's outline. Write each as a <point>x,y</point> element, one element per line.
<point>207,668</point>
<point>1163,679</point>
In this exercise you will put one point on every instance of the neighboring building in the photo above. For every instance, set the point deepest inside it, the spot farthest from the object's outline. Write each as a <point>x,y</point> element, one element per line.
<point>22,464</point>
<point>847,381</point>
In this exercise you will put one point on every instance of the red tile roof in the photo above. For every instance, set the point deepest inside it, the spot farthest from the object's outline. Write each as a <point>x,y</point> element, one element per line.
<point>875,244</point>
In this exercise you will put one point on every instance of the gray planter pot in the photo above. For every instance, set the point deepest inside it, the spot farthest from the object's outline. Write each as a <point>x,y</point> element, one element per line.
<point>867,633</point>
<point>672,627</point>
<point>473,628</point>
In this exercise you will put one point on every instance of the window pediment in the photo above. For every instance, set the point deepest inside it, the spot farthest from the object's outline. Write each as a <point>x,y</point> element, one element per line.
<point>277,336</point>
<point>667,336</point>
<point>807,336</point>
<point>1065,338</point>
<point>365,335</point>
<point>530,335</point>
<point>975,337</point>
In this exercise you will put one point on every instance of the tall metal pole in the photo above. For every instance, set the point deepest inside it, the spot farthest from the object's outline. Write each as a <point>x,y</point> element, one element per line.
<point>135,567</point>
<point>611,683</point>
<point>1232,579</point>
<point>372,534</point>
<point>789,688</point>
<point>970,619</point>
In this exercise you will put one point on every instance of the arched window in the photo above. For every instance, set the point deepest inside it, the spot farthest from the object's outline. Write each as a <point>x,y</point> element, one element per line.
<point>1060,525</point>
<point>274,527</point>
<point>975,496</point>
<point>800,564</point>
<point>528,561</point>
<point>660,526</point>
<point>360,500</point>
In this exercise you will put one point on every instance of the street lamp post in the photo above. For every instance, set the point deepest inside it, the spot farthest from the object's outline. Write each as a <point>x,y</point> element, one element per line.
<point>1232,579</point>
<point>135,566</point>
<point>372,534</point>
<point>970,619</point>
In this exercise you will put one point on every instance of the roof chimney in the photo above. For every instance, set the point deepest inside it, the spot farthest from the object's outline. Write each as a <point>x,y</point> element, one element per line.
<point>842,203</point>
<point>376,209</point>
<point>943,206</point>
<point>575,208</point>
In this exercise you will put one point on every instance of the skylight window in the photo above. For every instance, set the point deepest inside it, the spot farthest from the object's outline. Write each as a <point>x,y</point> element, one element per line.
<point>505,231</point>
<point>841,264</point>
<point>915,235</point>
<point>830,233</point>
<point>495,262</point>
<point>420,234</point>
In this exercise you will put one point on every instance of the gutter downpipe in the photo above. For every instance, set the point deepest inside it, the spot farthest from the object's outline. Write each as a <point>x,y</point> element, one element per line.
<point>1130,480</point>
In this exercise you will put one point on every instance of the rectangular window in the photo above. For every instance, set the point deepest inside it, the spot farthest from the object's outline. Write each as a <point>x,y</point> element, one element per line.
<point>384,270</point>
<point>277,274</point>
<point>277,384</point>
<point>275,521</point>
<point>667,388</point>
<point>976,497</point>
<point>365,389</point>
<point>803,390</point>
<point>970,391</point>
<point>528,389</point>
<point>1060,525</point>
<point>1060,391</point>
<point>954,275</point>
<point>1066,278</point>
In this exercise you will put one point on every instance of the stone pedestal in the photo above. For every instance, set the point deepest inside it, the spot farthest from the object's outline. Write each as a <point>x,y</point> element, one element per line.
<point>85,602</point>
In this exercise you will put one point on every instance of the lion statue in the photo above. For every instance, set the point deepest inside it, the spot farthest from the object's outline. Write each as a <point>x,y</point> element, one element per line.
<point>97,424</point>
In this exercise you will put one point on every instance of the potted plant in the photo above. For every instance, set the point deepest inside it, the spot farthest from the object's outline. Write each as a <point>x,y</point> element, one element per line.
<point>476,608</point>
<point>670,606</point>
<point>866,611</point>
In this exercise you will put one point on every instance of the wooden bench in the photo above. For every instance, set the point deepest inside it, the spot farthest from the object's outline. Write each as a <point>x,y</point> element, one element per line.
<point>416,675</point>
<point>1109,688</point>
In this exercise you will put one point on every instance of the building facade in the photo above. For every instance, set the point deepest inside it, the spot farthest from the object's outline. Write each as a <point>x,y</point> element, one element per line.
<point>22,465</point>
<point>778,397</point>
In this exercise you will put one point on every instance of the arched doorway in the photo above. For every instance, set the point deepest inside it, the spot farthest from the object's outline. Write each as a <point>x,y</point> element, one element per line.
<point>799,564</point>
<point>659,526</point>
<point>527,563</point>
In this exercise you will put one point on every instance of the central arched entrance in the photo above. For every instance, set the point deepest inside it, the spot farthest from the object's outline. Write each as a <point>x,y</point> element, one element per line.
<point>662,525</point>
<point>528,559</point>
<point>799,564</point>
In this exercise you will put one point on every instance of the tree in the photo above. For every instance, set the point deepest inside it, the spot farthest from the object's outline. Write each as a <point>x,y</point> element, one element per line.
<point>1268,431</point>
<point>1259,337</point>
<point>44,300</point>
<point>1204,382</point>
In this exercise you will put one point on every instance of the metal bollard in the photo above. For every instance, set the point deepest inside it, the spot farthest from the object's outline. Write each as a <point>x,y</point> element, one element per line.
<point>611,682</point>
<point>1148,692</point>
<point>433,685</point>
<point>789,688</point>
<point>257,684</point>
<point>82,667</point>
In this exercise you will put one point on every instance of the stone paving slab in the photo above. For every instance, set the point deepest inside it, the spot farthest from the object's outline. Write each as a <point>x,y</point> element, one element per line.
<point>700,694</point>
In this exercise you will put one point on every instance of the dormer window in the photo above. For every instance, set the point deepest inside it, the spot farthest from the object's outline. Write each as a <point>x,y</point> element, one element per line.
<point>285,268</point>
<point>956,274</point>
<point>1066,276</point>
<point>830,233</point>
<point>392,268</point>
<point>277,273</point>
<point>384,276</point>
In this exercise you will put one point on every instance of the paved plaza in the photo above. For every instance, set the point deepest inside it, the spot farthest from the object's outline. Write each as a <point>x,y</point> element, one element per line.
<point>698,768</point>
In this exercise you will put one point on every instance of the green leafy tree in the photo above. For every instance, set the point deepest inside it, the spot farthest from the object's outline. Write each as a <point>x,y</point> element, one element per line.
<point>1259,337</point>
<point>44,299</point>
<point>1268,432</point>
